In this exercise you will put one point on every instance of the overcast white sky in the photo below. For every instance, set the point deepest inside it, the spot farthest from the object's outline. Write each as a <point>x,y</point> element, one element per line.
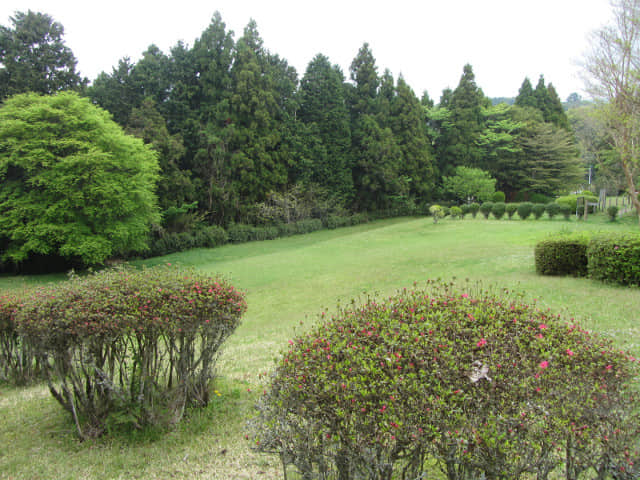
<point>427,41</point>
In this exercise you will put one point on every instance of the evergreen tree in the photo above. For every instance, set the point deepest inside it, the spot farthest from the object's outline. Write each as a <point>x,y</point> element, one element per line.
<point>34,58</point>
<point>364,75</point>
<point>408,124</point>
<point>425,100</point>
<point>328,137</point>
<point>115,92</point>
<point>555,111</point>
<point>459,139</point>
<point>526,97</point>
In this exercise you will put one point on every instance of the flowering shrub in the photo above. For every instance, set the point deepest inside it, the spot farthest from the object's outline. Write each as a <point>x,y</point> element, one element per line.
<point>17,358</point>
<point>562,255</point>
<point>135,345</point>
<point>478,384</point>
<point>615,258</point>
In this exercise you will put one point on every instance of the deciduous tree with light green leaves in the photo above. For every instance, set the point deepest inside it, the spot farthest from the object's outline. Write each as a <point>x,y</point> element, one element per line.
<point>73,185</point>
<point>470,184</point>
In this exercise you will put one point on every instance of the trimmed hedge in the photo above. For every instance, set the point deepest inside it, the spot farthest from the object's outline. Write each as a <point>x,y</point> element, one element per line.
<point>18,362</point>
<point>564,255</point>
<point>524,210</point>
<point>615,258</point>
<point>129,346</point>
<point>498,210</point>
<point>511,209</point>
<point>538,210</point>
<point>486,209</point>
<point>473,383</point>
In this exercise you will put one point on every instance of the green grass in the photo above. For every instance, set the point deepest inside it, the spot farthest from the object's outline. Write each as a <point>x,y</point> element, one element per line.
<point>288,282</point>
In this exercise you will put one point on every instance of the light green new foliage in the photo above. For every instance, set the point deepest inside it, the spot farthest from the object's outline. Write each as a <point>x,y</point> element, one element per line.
<point>72,183</point>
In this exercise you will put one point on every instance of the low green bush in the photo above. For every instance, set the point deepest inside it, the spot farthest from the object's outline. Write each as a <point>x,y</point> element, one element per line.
<point>476,384</point>
<point>127,346</point>
<point>498,210</point>
<point>210,237</point>
<point>456,212</point>
<point>336,221</point>
<point>511,209</point>
<point>524,210</point>
<point>486,208</point>
<point>474,208</point>
<point>538,210</point>
<point>562,255</point>
<point>612,212</point>
<point>615,258</point>
<point>498,197</point>
<point>437,212</point>
<point>553,209</point>
<point>572,201</point>
<point>565,211</point>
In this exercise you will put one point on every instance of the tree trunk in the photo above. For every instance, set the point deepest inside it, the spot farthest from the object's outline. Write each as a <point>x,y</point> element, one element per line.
<point>631,185</point>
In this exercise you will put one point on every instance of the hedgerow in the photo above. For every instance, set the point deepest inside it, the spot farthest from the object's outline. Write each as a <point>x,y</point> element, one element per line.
<point>562,255</point>
<point>477,384</point>
<point>615,258</point>
<point>130,346</point>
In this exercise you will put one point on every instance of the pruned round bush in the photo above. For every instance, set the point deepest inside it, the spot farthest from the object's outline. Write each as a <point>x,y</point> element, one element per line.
<point>498,197</point>
<point>474,208</point>
<point>615,258</point>
<point>486,208</point>
<point>437,212</point>
<point>562,255</point>
<point>524,210</point>
<point>18,363</point>
<point>612,212</point>
<point>498,210</point>
<point>130,346</point>
<point>566,212</point>
<point>538,210</point>
<point>475,383</point>
<point>456,212</point>
<point>553,209</point>
<point>511,209</point>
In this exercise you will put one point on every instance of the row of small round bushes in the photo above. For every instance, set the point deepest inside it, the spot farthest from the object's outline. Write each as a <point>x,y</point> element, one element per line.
<point>134,346</point>
<point>499,209</point>
<point>612,257</point>
<point>215,236</point>
<point>474,383</point>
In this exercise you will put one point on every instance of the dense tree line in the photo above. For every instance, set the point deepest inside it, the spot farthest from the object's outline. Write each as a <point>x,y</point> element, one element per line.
<point>233,124</point>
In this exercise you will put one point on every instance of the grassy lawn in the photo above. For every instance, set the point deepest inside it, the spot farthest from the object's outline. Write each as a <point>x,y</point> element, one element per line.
<point>288,282</point>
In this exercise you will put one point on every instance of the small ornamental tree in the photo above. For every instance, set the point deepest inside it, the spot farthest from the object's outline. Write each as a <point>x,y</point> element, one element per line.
<point>477,383</point>
<point>437,212</point>
<point>524,210</point>
<point>538,210</point>
<point>486,209</point>
<point>498,210</point>
<point>73,185</point>
<point>473,208</point>
<point>511,209</point>
<point>133,346</point>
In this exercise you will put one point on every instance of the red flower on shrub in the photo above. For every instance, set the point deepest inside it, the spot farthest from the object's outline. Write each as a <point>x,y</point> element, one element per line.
<point>544,364</point>
<point>481,343</point>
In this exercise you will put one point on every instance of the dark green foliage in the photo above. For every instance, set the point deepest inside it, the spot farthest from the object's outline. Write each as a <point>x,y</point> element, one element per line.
<point>553,209</point>
<point>562,255</point>
<point>525,209</point>
<point>538,210</point>
<point>474,208</point>
<point>511,209</point>
<point>565,210</point>
<point>498,210</point>
<point>615,258</point>
<point>612,212</point>
<point>471,382</point>
<point>327,141</point>
<point>130,346</point>
<point>498,197</point>
<point>34,58</point>
<point>95,197</point>
<point>540,198</point>
<point>486,209</point>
